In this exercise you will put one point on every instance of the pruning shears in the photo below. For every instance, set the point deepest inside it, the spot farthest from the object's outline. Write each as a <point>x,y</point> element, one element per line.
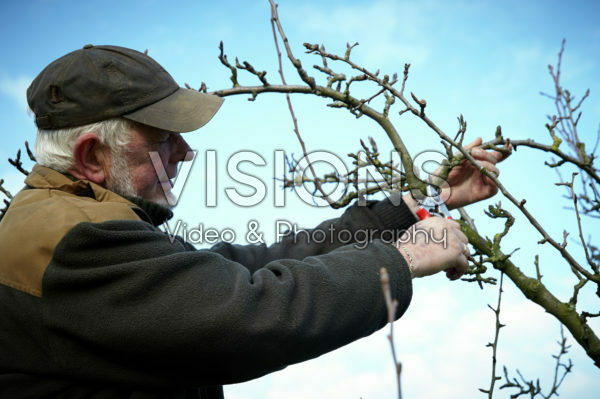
<point>432,204</point>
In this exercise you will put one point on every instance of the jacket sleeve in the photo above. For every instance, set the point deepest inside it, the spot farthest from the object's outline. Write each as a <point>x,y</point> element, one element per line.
<point>124,304</point>
<point>358,225</point>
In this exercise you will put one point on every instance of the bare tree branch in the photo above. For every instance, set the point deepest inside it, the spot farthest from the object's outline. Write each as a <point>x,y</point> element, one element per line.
<point>494,345</point>
<point>392,305</point>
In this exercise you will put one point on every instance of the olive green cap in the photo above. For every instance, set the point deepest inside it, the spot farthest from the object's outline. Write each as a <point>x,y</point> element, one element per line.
<point>102,82</point>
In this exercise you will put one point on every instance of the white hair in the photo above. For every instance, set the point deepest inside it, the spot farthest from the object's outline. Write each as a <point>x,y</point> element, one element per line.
<point>54,148</point>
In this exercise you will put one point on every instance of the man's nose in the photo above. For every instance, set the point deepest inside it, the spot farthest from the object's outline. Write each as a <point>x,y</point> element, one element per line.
<point>181,151</point>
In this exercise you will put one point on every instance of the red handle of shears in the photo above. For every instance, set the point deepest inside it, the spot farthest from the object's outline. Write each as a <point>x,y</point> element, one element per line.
<point>423,214</point>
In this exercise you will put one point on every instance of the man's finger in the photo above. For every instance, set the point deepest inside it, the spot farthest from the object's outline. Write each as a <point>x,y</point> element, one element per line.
<point>490,156</point>
<point>463,264</point>
<point>466,251</point>
<point>490,167</point>
<point>473,143</point>
<point>499,156</point>
<point>462,237</point>
<point>456,272</point>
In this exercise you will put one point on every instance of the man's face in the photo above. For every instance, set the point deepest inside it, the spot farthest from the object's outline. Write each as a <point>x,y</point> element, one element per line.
<point>145,182</point>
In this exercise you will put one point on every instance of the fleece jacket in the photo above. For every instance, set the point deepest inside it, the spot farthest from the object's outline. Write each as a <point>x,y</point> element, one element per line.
<point>97,302</point>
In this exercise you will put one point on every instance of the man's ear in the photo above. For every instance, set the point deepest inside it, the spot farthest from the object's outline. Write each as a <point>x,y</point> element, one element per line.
<point>90,159</point>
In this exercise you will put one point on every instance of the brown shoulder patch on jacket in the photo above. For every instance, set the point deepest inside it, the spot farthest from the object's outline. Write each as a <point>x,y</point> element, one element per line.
<point>34,224</point>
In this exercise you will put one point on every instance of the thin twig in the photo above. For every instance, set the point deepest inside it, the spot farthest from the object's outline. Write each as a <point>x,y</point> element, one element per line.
<point>4,190</point>
<point>585,166</point>
<point>583,243</point>
<point>17,163</point>
<point>391,305</point>
<point>29,152</point>
<point>494,345</point>
<point>528,387</point>
<point>224,61</point>
<point>468,219</point>
<point>275,21</point>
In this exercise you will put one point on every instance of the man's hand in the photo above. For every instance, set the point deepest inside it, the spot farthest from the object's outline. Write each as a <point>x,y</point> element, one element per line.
<point>466,184</point>
<point>433,245</point>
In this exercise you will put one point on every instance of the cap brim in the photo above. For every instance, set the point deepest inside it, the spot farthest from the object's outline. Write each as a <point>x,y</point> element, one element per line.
<point>183,111</point>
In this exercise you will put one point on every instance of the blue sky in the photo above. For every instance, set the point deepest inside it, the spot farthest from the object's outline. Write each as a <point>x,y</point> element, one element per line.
<point>487,60</point>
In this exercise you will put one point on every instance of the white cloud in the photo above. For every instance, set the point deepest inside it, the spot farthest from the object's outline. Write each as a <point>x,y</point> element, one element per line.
<point>16,89</point>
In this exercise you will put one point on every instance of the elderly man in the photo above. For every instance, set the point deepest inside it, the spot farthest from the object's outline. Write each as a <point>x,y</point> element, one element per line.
<point>97,302</point>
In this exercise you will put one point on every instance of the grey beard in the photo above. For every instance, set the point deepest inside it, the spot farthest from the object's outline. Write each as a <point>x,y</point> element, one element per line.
<point>121,182</point>
<point>120,177</point>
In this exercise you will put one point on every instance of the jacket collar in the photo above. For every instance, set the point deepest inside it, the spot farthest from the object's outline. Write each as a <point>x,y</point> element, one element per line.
<point>42,177</point>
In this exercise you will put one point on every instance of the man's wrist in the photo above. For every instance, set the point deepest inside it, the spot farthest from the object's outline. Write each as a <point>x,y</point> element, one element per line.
<point>408,258</point>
